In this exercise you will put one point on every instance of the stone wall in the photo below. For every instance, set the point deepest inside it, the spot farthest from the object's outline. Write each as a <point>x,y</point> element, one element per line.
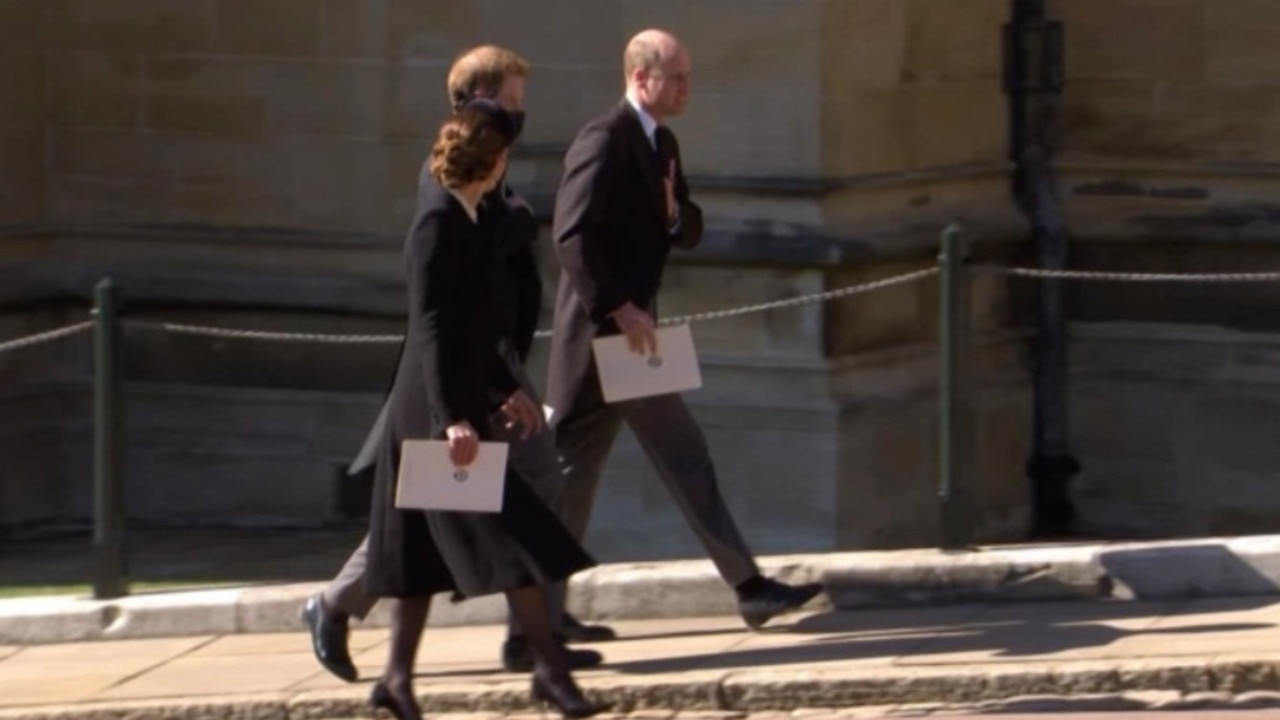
<point>315,115</point>
<point>1168,152</point>
<point>37,387</point>
<point>251,163</point>
<point>1169,128</point>
<point>1176,424</point>
<point>45,424</point>
<point>283,113</point>
<point>22,113</point>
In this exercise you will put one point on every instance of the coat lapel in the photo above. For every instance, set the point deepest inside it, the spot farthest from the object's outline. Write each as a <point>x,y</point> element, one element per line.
<point>647,159</point>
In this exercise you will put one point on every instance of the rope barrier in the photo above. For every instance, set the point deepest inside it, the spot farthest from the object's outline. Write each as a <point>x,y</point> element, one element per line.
<point>44,337</point>
<point>1106,276</point>
<point>236,334</point>
<point>813,298</point>
<point>267,335</point>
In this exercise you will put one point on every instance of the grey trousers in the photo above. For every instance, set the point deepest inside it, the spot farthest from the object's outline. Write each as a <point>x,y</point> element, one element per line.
<point>534,459</point>
<point>676,447</point>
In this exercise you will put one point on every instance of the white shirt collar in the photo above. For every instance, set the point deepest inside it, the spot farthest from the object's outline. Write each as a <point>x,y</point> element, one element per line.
<point>646,120</point>
<point>471,209</point>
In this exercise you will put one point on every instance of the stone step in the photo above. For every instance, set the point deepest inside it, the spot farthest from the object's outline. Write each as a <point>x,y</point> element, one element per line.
<point>1169,570</point>
<point>772,692</point>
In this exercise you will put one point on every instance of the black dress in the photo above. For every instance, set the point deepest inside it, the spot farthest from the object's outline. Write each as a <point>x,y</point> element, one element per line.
<point>450,370</point>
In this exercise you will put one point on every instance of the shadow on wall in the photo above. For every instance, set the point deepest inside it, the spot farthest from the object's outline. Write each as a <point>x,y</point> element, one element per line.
<point>1181,572</point>
<point>1172,571</point>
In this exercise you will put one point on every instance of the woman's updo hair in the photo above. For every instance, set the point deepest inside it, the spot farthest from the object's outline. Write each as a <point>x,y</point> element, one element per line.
<point>470,143</point>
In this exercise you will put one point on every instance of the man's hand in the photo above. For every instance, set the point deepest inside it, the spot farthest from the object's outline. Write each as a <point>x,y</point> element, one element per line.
<point>520,409</point>
<point>638,327</point>
<point>464,444</point>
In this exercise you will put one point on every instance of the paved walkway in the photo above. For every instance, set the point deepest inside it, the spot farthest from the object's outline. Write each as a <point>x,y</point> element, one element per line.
<point>953,655</point>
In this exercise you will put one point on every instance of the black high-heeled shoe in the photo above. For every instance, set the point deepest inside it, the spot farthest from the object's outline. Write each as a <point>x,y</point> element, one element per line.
<point>565,697</point>
<point>403,708</point>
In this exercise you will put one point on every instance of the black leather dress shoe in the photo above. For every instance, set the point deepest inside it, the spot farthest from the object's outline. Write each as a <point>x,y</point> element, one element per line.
<point>574,631</point>
<point>773,598</point>
<point>517,656</point>
<point>329,639</point>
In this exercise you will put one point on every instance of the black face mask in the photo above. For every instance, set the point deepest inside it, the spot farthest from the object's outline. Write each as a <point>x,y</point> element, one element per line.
<point>517,117</point>
<point>506,122</point>
<point>517,123</point>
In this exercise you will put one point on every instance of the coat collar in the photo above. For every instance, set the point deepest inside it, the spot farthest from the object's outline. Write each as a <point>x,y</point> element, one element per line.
<point>647,123</point>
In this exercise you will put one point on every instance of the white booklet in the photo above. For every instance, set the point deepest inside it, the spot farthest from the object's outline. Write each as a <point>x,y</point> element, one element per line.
<point>429,480</point>
<point>625,375</point>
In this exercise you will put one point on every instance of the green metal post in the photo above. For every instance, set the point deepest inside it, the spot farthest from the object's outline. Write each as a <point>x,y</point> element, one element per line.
<point>953,341</point>
<point>109,562</point>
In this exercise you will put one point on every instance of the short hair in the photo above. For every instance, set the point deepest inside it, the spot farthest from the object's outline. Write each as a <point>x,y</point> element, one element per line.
<point>467,148</point>
<point>641,54</point>
<point>482,69</point>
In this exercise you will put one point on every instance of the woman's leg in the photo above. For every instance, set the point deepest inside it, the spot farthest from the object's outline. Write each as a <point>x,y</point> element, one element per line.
<point>552,681</point>
<point>408,618</point>
<point>529,605</point>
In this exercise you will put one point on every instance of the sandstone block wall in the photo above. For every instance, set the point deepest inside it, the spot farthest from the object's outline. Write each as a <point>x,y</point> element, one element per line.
<point>1168,145</point>
<point>1168,130</point>
<point>252,162</point>
<point>22,113</point>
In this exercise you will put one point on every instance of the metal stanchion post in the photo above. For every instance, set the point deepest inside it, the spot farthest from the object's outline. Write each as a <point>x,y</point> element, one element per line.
<point>953,340</point>
<point>109,562</point>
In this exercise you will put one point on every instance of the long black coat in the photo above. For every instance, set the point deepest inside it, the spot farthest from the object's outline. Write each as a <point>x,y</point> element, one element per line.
<point>612,240</point>
<point>450,370</point>
<point>517,291</point>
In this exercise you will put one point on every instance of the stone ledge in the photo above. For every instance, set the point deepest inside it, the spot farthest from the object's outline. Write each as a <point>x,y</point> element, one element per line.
<point>343,274</point>
<point>798,185</point>
<point>1171,570</point>
<point>361,286</point>
<point>1062,687</point>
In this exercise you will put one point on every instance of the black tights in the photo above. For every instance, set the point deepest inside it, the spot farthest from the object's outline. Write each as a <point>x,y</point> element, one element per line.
<point>529,604</point>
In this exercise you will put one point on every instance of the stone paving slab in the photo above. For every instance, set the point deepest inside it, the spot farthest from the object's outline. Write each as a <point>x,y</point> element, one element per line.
<point>953,658</point>
<point>83,671</point>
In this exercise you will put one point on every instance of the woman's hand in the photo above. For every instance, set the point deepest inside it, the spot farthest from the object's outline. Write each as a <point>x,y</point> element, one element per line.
<point>520,409</point>
<point>464,444</point>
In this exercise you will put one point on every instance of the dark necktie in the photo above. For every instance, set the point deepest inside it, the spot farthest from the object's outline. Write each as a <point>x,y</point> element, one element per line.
<point>664,143</point>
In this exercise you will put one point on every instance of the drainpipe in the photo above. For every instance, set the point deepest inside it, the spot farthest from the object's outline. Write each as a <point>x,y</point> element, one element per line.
<point>1033,82</point>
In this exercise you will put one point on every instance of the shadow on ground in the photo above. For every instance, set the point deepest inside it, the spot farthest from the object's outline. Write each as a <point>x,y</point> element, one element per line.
<point>1003,632</point>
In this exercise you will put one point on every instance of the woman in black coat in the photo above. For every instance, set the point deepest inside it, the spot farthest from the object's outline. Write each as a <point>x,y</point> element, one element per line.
<point>451,383</point>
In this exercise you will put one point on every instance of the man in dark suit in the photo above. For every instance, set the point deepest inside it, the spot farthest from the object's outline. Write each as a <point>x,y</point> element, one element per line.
<point>623,204</point>
<point>496,73</point>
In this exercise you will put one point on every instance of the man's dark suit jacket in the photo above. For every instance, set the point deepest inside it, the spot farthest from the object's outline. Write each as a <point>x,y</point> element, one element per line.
<point>516,233</point>
<point>612,237</point>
